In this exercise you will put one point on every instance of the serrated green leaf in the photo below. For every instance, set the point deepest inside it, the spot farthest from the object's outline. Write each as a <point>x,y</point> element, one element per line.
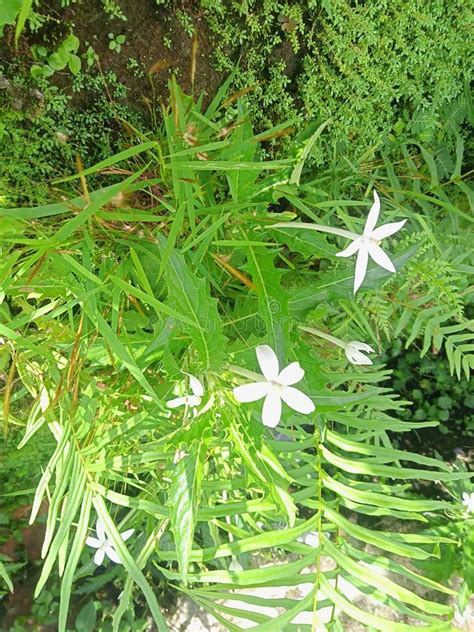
<point>183,500</point>
<point>189,295</point>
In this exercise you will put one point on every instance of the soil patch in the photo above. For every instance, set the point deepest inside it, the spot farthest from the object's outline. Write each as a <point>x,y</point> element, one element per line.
<point>154,37</point>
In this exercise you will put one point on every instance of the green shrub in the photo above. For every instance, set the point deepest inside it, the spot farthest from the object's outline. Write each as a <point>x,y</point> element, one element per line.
<point>369,63</point>
<point>366,66</point>
<point>436,394</point>
<point>42,131</point>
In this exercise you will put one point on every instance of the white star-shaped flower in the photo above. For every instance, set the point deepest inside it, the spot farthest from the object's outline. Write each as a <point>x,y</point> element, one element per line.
<point>193,400</point>
<point>354,352</point>
<point>275,386</point>
<point>468,501</point>
<point>104,546</point>
<point>367,244</point>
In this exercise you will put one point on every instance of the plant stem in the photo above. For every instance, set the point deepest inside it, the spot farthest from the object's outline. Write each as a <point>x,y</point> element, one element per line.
<point>321,334</point>
<point>319,227</point>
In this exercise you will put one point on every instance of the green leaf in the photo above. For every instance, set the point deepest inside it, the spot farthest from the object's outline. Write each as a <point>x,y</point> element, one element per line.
<point>73,558</point>
<point>309,243</point>
<point>374,621</point>
<point>272,298</point>
<point>25,11</point>
<point>265,466</point>
<point>57,61</point>
<point>296,173</point>
<point>129,563</point>
<point>8,11</point>
<point>5,577</point>
<point>183,500</point>
<point>240,182</point>
<point>86,619</point>
<point>74,64</point>
<point>189,295</point>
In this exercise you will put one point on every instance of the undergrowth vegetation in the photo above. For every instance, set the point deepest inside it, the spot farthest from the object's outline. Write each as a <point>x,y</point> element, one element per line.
<point>379,62</point>
<point>167,287</point>
<point>236,328</point>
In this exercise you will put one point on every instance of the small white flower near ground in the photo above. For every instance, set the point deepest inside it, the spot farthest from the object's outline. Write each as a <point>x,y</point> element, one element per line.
<point>367,244</point>
<point>194,399</point>
<point>468,501</point>
<point>275,386</point>
<point>104,546</point>
<point>354,352</point>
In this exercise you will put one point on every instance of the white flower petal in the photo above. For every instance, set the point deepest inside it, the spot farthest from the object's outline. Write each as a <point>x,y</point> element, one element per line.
<point>100,530</point>
<point>291,374</point>
<point>127,534</point>
<point>354,353</point>
<point>112,554</point>
<point>251,392</point>
<point>311,539</point>
<point>297,400</point>
<point>351,249</point>
<point>196,387</point>
<point>361,346</point>
<point>357,358</point>
<point>271,412</point>
<point>94,543</point>
<point>373,215</point>
<point>268,362</point>
<point>193,400</point>
<point>379,256</point>
<point>387,229</point>
<point>99,556</point>
<point>360,268</point>
<point>178,401</point>
<point>468,502</point>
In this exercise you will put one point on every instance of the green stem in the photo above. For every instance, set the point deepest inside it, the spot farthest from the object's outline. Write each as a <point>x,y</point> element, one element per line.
<point>246,373</point>
<point>319,496</point>
<point>321,334</point>
<point>319,227</point>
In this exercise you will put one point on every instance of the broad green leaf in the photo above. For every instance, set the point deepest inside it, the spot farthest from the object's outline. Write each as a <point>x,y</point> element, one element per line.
<point>189,295</point>
<point>272,299</point>
<point>4,575</point>
<point>183,500</point>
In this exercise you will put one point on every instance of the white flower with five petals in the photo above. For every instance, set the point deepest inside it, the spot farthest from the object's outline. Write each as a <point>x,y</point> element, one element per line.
<point>275,386</point>
<point>367,244</point>
<point>468,501</point>
<point>354,352</point>
<point>104,546</point>
<point>353,349</point>
<point>193,400</point>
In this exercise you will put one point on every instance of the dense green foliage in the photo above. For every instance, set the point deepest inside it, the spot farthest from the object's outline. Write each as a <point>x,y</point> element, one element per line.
<point>383,63</point>
<point>435,393</point>
<point>139,248</point>
<point>41,133</point>
<point>194,284</point>
<point>377,62</point>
